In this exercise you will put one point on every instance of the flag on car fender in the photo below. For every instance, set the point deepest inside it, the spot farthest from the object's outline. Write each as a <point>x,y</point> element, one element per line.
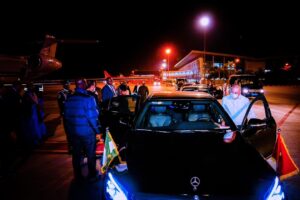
<point>110,152</point>
<point>285,166</point>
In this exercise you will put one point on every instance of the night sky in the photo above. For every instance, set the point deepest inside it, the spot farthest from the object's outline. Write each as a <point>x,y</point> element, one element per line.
<point>134,35</point>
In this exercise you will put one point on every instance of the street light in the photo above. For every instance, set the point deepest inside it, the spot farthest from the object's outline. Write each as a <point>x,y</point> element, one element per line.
<point>168,51</point>
<point>204,22</point>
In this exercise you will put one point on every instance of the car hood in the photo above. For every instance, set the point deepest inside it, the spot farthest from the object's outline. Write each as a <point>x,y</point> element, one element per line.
<point>169,162</point>
<point>252,86</point>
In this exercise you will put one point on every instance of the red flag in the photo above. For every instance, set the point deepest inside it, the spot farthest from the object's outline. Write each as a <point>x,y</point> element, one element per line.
<point>285,164</point>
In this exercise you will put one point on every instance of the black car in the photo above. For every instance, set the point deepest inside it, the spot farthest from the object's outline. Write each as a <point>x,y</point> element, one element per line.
<point>250,84</point>
<point>183,145</point>
<point>217,93</point>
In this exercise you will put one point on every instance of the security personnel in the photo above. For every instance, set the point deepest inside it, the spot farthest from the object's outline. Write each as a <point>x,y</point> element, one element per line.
<point>63,95</point>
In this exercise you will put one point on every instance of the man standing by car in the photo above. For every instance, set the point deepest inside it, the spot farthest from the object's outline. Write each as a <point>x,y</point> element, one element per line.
<point>143,92</point>
<point>236,105</point>
<point>82,123</point>
<point>108,92</point>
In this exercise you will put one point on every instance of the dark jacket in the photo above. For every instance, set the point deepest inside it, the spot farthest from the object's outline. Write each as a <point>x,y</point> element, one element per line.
<point>81,114</point>
<point>107,94</point>
<point>62,97</point>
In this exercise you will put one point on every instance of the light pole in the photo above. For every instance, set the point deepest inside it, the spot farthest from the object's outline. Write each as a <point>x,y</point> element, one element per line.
<point>204,23</point>
<point>168,51</point>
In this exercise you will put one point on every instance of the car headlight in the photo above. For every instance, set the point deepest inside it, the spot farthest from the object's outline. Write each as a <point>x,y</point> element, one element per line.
<point>275,192</point>
<point>245,90</point>
<point>113,189</point>
<point>261,91</point>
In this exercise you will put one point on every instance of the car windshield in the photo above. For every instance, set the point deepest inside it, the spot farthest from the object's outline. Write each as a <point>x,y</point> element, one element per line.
<point>182,115</point>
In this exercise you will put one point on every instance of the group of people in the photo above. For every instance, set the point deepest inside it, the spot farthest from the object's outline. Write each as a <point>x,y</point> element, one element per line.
<point>22,123</point>
<point>80,110</point>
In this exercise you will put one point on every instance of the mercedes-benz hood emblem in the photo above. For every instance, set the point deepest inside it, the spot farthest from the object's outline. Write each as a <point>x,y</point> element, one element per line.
<point>195,182</point>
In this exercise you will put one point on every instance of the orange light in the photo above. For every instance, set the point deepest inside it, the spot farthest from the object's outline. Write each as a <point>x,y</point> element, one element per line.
<point>237,60</point>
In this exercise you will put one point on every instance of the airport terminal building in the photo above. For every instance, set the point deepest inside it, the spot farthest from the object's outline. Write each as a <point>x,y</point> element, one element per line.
<point>200,66</point>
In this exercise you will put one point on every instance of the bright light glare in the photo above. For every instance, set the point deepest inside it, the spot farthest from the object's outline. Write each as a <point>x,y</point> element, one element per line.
<point>204,21</point>
<point>245,90</point>
<point>168,51</point>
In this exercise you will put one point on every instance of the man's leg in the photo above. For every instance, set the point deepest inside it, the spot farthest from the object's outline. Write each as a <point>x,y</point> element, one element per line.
<point>76,156</point>
<point>69,138</point>
<point>90,146</point>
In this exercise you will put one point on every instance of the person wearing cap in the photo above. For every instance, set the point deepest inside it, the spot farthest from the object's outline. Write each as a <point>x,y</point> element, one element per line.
<point>81,118</point>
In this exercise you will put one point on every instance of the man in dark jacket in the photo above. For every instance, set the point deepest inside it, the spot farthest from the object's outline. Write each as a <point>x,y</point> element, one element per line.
<point>143,92</point>
<point>82,123</point>
<point>62,96</point>
<point>108,92</point>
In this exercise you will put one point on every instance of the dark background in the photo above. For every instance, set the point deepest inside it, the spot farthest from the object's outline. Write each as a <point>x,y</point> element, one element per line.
<point>133,35</point>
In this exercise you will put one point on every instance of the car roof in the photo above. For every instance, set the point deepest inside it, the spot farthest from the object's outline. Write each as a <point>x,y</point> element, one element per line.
<point>193,86</point>
<point>179,95</point>
<point>241,75</point>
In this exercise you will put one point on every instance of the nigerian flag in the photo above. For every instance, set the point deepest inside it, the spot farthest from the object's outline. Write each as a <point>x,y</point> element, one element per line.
<point>110,152</point>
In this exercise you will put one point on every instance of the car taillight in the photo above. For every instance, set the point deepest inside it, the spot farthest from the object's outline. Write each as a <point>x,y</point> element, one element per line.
<point>229,136</point>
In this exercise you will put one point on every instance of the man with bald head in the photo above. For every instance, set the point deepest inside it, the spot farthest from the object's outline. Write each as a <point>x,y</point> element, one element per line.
<point>236,105</point>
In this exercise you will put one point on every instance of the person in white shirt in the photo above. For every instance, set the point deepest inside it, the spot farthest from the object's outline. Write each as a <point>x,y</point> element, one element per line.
<point>236,105</point>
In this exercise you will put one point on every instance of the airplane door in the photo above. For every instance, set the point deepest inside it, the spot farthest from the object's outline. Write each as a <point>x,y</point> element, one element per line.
<point>259,127</point>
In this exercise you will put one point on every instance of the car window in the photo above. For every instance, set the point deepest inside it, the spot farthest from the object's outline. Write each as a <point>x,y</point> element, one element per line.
<point>123,104</point>
<point>182,115</point>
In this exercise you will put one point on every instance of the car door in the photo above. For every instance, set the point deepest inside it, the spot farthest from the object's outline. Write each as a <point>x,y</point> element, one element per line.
<point>259,127</point>
<point>121,111</point>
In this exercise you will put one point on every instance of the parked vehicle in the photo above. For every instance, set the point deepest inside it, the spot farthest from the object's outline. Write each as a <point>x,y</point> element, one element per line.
<point>217,93</point>
<point>183,145</point>
<point>251,86</point>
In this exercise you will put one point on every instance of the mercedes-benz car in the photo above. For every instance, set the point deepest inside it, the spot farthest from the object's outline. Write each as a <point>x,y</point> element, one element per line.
<point>183,145</point>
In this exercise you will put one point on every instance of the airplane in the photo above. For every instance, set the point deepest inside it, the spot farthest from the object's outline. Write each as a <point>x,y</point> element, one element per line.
<point>121,78</point>
<point>30,67</point>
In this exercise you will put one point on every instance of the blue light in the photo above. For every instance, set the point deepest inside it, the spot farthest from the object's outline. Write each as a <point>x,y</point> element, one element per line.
<point>113,189</point>
<point>276,191</point>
